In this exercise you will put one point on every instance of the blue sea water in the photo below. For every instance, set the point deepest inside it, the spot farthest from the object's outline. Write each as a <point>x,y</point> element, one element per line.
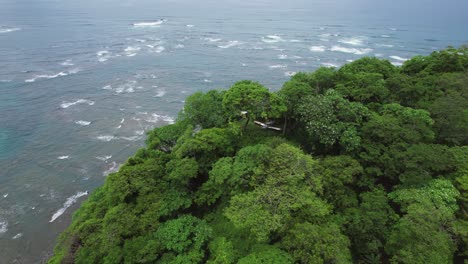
<point>82,81</point>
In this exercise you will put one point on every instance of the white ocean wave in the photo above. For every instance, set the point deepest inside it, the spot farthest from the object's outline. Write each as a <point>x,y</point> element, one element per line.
<point>79,101</point>
<point>295,40</point>
<point>3,227</point>
<point>150,23</point>
<point>8,30</point>
<point>131,51</point>
<point>160,93</point>
<point>82,123</point>
<point>67,63</point>
<point>212,39</point>
<point>355,41</point>
<point>317,48</point>
<point>159,49</point>
<point>128,87</point>
<point>207,81</point>
<point>282,56</point>
<point>63,157</point>
<point>329,64</point>
<point>5,195</point>
<point>272,39</point>
<point>105,138</point>
<point>114,167</point>
<point>385,45</point>
<point>107,87</point>
<point>155,118</point>
<point>230,44</point>
<point>123,120</point>
<point>70,201</point>
<point>179,46</point>
<point>103,55</point>
<point>398,58</point>
<point>19,235</point>
<point>385,36</point>
<point>278,66</point>
<point>190,26</point>
<point>351,50</point>
<point>104,158</point>
<point>51,76</point>
<point>289,73</point>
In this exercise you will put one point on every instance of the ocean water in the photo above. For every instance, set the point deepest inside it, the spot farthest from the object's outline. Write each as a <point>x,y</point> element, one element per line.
<point>82,81</point>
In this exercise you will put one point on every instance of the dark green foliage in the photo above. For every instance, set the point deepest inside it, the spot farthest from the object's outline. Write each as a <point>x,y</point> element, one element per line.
<point>371,167</point>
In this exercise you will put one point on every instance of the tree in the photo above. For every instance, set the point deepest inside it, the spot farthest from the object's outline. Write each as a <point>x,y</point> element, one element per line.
<point>205,109</point>
<point>313,243</point>
<point>255,99</point>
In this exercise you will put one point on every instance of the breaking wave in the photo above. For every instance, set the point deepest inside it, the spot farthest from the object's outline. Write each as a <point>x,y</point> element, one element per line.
<point>79,101</point>
<point>70,201</point>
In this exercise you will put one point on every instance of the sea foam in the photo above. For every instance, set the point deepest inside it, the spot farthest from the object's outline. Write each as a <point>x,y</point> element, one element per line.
<point>150,23</point>
<point>63,157</point>
<point>114,167</point>
<point>355,41</point>
<point>398,58</point>
<point>51,76</point>
<point>317,48</point>
<point>70,201</point>
<point>8,30</point>
<point>3,227</point>
<point>351,50</point>
<point>230,44</point>
<point>79,101</point>
<point>82,123</point>
<point>272,39</point>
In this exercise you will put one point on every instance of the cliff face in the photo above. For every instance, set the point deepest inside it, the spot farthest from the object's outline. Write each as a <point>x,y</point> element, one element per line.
<point>369,165</point>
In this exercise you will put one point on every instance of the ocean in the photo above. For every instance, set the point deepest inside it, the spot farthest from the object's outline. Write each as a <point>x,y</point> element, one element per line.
<point>81,82</point>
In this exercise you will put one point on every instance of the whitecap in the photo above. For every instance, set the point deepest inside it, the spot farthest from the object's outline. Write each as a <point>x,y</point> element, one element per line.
<point>82,123</point>
<point>355,41</point>
<point>159,49</point>
<point>190,26</point>
<point>67,63</point>
<point>107,87</point>
<point>103,55</point>
<point>179,46</point>
<point>19,235</point>
<point>63,157</point>
<point>160,93</point>
<point>5,195</point>
<point>3,227</point>
<point>128,87</point>
<point>385,36</point>
<point>278,66</point>
<point>207,81</point>
<point>244,64</point>
<point>150,23</point>
<point>131,51</point>
<point>212,39</point>
<point>52,76</point>
<point>351,50</point>
<point>79,101</point>
<point>289,73</point>
<point>282,56</point>
<point>8,30</point>
<point>272,39</point>
<point>105,138</point>
<point>230,44</point>
<point>295,40</point>
<point>329,64</point>
<point>317,48</point>
<point>132,138</point>
<point>114,167</point>
<point>104,158</point>
<point>123,120</point>
<point>70,201</point>
<point>385,45</point>
<point>398,58</point>
<point>139,132</point>
<point>155,118</point>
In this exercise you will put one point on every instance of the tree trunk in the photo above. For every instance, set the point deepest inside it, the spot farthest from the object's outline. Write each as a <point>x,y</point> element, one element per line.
<point>246,123</point>
<point>284,125</point>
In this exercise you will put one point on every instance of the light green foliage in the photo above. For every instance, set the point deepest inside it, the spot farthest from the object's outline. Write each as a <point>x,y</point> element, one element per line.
<point>221,251</point>
<point>185,237</point>
<point>265,254</point>
<point>255,99</point>
<point>205,109</point>
<point>289,186</point>
<point>317,244</point>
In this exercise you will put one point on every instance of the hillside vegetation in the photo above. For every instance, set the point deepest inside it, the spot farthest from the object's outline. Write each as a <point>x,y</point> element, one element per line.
<point>370,166</point>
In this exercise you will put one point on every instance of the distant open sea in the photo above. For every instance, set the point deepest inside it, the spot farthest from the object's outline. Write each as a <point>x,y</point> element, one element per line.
<point>81,82</point>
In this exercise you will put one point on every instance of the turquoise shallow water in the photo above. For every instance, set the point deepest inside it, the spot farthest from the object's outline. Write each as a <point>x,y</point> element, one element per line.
<point>82,81</point>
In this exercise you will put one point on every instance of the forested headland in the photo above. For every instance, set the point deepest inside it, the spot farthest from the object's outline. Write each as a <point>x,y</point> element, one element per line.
<point>370,165</point>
